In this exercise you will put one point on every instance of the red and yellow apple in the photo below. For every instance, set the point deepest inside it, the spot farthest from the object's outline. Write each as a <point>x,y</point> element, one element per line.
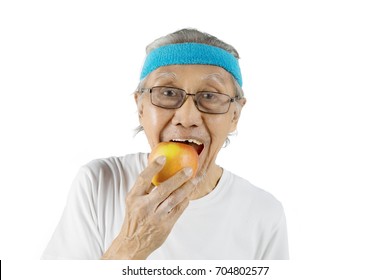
<point>178,156</point>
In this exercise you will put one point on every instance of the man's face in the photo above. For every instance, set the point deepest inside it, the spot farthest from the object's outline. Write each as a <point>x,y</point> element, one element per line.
<point>187,122</point>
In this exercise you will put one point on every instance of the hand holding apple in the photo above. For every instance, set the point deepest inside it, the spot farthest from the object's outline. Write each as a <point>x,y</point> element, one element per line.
<point>150,216</point>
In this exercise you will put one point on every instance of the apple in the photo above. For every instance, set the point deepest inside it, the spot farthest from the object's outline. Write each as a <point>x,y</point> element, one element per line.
<point>178,156</point>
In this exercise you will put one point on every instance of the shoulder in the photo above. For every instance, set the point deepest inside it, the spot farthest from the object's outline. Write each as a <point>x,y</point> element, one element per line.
<point>111,172</point>
<point>251,198</point>
<point>131,163</point>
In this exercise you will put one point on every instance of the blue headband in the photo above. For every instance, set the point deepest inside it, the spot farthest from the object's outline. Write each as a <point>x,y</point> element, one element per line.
<point>191,53</point>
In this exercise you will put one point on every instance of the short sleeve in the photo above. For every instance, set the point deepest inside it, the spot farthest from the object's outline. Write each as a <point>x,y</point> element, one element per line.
<point>277,247</point>
<point>77,234</point>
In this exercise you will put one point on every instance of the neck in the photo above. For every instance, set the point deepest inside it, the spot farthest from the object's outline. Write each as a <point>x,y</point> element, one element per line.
<point>207,182</point>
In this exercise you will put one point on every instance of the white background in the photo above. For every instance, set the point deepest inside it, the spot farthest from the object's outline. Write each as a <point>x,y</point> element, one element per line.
<point>315,131</point>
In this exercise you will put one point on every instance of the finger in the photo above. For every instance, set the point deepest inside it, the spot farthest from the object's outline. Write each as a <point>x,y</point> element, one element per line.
<point>175,198</point>
<point>144,180</point>
<point>167,187</point>
<point>151,188</point>
<point>176,212</point>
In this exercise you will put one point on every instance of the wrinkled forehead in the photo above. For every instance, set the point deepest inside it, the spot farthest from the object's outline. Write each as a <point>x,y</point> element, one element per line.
<point>201,74</point>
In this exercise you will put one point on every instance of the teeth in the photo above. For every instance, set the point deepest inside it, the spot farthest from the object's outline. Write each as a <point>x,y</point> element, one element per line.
<point>188,140</point>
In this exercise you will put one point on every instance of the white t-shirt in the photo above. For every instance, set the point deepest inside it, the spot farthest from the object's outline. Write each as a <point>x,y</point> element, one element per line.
<point>235,221</point>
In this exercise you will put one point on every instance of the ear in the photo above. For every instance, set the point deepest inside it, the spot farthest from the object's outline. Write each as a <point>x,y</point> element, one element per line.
<point>236,114</point>
<point>139,103</point>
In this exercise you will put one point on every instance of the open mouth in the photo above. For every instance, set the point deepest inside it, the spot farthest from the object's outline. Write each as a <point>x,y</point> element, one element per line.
<point>196,144</point>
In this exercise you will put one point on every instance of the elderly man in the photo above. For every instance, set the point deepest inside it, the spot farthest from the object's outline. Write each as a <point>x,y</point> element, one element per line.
<point>190,91</point>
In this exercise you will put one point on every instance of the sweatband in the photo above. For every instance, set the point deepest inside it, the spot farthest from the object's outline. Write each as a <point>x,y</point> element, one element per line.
<point>191,53</point>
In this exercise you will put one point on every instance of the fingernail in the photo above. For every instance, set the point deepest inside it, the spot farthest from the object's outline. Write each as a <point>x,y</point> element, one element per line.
<point>194,181</point>
<point>161,159</point>
<point>188,171</point>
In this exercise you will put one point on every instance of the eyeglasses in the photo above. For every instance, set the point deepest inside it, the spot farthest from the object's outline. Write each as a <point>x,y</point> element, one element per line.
<point>205,101</point>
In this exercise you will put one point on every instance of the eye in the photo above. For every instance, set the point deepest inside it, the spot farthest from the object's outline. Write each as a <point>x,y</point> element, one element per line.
<point>209,96</point>
<point>169,92</point>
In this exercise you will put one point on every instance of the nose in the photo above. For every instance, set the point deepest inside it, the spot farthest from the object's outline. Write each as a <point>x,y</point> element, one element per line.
<point>187,115</point>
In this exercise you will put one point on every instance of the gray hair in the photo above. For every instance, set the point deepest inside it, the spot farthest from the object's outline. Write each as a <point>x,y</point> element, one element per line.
<point>190,35</point>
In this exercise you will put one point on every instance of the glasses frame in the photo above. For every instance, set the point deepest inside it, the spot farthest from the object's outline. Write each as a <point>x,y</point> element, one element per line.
<point>149,90</point>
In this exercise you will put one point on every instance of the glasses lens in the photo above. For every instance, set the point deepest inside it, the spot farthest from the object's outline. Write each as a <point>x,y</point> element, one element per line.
<point>167,97</point>
<point>212,102</point>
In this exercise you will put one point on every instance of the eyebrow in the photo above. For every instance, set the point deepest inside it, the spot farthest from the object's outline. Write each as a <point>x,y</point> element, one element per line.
<point>215,77</point>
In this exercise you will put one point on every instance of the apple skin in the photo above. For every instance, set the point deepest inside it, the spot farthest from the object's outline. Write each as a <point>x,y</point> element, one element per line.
<point>178,156</point>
